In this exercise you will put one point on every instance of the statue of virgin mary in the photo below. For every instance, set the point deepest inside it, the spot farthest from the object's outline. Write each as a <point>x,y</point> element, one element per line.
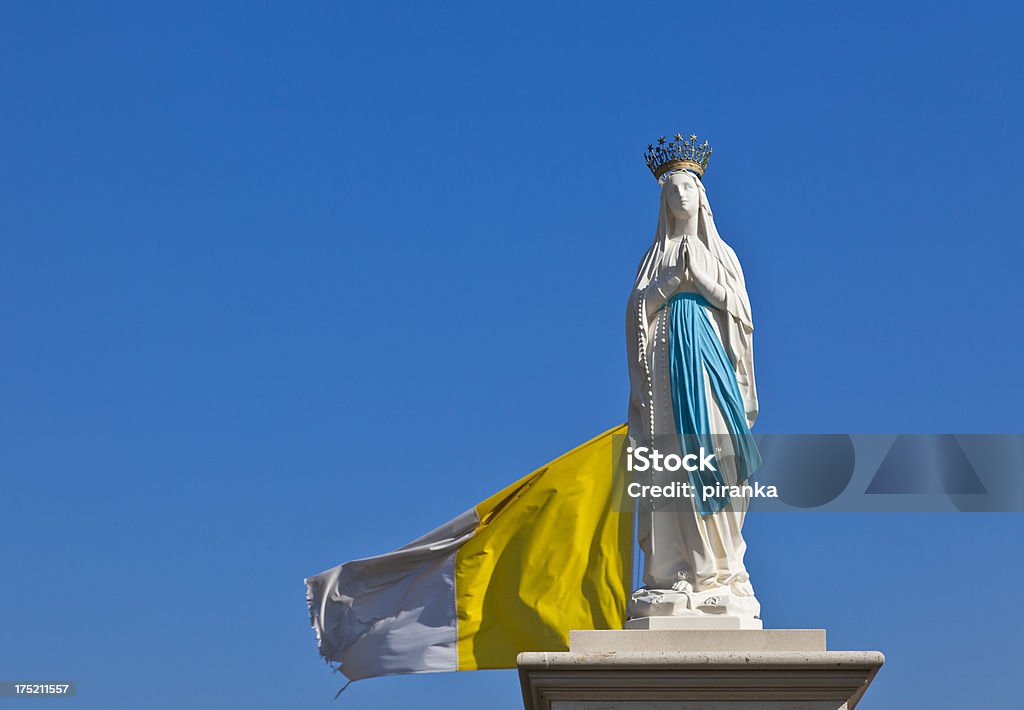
<point>691,374</point>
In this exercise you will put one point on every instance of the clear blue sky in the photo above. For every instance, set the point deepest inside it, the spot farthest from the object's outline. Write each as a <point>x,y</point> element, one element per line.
<point>283,286</point>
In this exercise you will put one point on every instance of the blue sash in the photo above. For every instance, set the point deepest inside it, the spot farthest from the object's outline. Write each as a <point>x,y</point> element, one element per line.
<point>694,348</point>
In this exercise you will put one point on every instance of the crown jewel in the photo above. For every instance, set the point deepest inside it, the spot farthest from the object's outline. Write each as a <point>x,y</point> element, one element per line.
<point>678,154</point>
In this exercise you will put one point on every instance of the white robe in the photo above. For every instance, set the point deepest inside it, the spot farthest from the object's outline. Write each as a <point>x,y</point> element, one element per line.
<point>689,558</point>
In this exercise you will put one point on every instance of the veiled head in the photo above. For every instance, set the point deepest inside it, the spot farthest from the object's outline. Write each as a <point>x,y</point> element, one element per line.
<point>681,195</point>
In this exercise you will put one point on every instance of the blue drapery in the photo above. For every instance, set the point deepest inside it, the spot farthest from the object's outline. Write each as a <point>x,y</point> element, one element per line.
<point>694,348</point>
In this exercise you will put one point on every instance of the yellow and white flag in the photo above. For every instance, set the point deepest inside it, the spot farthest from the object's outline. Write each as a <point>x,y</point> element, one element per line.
<point>545,555</point>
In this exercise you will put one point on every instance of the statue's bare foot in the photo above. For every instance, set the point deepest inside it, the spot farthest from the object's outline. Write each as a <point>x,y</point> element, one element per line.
<point>682,600</point>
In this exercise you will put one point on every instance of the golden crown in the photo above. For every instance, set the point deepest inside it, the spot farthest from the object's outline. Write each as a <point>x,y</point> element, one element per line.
<point>678,154</point>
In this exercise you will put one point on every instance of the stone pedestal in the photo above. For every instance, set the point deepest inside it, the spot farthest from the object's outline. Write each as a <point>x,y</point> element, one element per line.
<point>778,669</point>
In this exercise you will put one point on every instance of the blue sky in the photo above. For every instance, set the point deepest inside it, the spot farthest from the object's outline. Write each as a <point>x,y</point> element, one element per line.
<point>285,286</point>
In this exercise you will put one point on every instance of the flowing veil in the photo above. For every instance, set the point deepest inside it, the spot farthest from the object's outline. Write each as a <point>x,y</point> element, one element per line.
<point>735,323</point>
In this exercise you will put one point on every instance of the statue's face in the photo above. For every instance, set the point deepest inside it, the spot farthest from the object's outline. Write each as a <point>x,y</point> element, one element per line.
<point>682,195</point>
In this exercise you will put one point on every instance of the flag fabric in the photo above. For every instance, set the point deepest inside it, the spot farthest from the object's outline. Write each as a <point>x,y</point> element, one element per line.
<point>547,554</point>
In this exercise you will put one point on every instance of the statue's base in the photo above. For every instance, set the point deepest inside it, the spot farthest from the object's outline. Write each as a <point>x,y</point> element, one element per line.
<point>693,623</point>
<point>777,669</point>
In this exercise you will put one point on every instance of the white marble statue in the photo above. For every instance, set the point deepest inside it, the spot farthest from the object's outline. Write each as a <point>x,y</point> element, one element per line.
<point>688,330</point>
